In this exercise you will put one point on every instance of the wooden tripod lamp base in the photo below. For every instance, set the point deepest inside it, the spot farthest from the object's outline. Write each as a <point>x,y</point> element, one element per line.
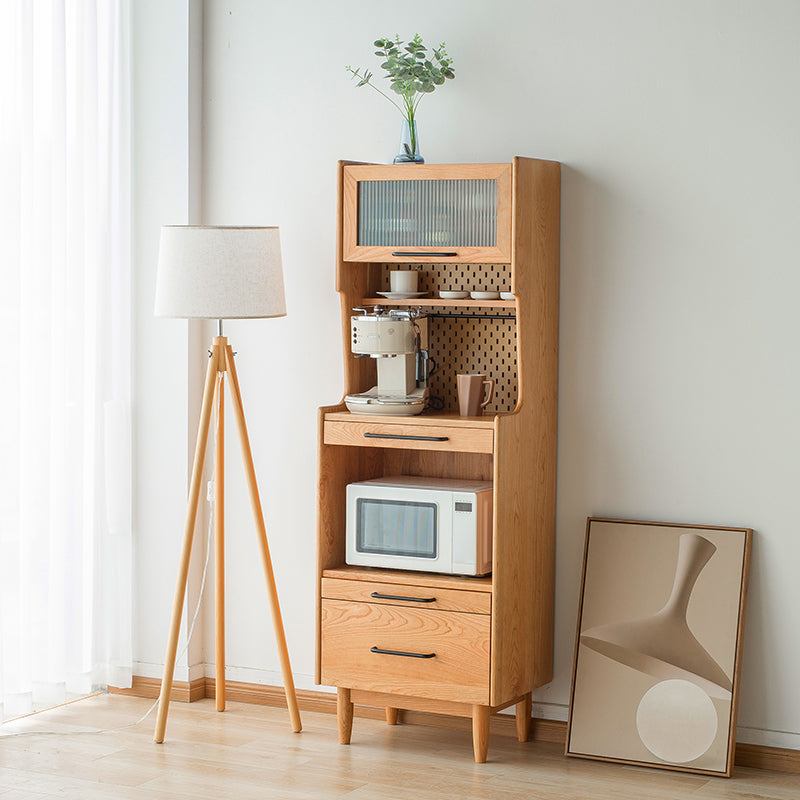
<point>221,362</point>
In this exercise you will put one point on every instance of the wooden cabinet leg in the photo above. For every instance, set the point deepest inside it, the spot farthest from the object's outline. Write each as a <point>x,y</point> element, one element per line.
<point>344,715</point>
<point>392,715</point>
<point>524,708</point>
<point>480,732</point>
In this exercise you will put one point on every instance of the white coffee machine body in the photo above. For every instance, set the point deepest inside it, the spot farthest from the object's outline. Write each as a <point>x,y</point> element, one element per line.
<point>392,338</point>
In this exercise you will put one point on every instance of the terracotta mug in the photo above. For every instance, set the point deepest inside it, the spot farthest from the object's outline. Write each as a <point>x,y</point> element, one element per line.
<point>471,401</point>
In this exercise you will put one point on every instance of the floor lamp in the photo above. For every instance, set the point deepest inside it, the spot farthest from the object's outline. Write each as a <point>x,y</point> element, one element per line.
<point>220,273</point>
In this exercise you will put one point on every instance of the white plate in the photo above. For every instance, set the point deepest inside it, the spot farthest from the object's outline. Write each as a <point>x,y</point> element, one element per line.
<point>453,295</point>
<point>484,295</point>
<point>401,295</point>
<point>506,295</point>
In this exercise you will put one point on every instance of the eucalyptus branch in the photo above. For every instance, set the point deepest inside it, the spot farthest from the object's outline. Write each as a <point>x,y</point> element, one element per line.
<point>364,80</point>
<point>410,71</point>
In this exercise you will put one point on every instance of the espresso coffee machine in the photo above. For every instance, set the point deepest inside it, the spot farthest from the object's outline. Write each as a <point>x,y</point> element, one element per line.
<point>392,338</point>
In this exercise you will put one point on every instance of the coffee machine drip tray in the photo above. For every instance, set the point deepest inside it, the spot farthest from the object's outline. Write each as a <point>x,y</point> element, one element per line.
<point>373,402</point>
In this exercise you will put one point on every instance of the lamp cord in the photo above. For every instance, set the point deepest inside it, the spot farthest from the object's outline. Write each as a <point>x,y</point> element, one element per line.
<point>150,710</point>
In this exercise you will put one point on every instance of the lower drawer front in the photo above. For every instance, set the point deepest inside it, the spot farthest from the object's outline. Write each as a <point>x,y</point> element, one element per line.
<point>457,670</point>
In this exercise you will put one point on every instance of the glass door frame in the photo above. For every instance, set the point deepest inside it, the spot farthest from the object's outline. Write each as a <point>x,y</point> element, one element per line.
<point>354,174</point>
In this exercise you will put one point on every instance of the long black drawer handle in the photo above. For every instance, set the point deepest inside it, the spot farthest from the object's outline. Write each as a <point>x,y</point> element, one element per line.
<point>423,254</point>
<point>400,653</point>
<point>404,436</point>
<point>379,596</point>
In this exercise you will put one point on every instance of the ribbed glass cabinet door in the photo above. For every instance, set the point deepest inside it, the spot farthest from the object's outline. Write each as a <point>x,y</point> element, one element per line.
<point>427,213</point>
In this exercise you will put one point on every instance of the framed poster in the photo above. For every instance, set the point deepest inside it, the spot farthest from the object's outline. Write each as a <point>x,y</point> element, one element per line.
<point>658,646</point>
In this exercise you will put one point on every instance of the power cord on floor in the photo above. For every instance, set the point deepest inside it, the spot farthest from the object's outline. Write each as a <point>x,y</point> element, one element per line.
<point>180,655</point>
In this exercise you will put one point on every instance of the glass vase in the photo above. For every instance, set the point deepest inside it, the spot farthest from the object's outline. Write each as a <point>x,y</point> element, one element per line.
<point>409,145</point>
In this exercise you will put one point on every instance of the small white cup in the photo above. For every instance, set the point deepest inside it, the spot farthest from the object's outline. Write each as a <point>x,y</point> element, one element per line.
<point>403,281</point>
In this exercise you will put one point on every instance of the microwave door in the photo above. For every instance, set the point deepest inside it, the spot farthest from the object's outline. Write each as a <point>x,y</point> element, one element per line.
<point>397,533</point>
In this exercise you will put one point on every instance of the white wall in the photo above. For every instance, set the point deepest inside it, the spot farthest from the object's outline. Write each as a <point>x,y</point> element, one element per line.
<point>677,125</point>
<point>167,54</point>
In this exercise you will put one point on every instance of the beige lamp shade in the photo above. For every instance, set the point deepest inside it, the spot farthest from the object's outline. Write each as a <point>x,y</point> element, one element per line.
<point>219,273</point>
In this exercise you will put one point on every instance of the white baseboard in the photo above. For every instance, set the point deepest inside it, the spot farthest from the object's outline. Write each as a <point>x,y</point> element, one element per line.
<point>547,711</point>
<point>763,738</point>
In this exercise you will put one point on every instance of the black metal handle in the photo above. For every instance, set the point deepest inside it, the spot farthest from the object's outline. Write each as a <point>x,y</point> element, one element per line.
<point>422,254</point>
<point>405,436</point>
<point>380,596</point>
<point>400,653</point>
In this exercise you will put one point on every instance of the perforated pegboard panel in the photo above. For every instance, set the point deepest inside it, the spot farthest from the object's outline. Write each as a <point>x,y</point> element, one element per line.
<point>474,346</point>
<point>468,345</point>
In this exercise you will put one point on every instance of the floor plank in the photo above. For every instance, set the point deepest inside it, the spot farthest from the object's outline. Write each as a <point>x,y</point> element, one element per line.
<point>250,752</point>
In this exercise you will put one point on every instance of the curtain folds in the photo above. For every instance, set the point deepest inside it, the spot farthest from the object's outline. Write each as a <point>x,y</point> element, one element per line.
<point>65,301</point>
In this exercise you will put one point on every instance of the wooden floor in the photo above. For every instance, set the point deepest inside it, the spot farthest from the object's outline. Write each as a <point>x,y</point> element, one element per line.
<point>249,752</point>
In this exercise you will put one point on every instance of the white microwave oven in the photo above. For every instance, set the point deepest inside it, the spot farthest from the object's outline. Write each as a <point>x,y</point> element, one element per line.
<point>424,524</point>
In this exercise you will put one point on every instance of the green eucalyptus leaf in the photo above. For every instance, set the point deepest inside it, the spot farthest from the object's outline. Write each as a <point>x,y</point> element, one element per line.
<point>408,69</point>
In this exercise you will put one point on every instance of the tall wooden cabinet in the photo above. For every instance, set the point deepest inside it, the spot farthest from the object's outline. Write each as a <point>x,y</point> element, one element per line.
<point>475,227</point>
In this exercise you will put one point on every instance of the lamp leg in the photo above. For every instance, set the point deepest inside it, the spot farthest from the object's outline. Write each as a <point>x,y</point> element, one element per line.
<point>255,502</point>
<point>186,551</point>
<point>219,548</point>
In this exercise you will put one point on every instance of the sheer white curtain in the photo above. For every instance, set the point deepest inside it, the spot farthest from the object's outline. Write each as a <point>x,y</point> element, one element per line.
<point>65,508</point>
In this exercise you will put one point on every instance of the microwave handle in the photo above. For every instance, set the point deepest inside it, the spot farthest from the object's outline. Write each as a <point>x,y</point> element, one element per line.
<point>405,436</point>
<point>379,596</point>
<point>400,653</point>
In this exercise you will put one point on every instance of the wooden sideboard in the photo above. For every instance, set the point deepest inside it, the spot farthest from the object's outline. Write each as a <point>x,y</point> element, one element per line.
<point>492,636</point>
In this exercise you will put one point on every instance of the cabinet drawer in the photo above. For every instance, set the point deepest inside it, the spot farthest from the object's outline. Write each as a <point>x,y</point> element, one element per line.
<point>451,651</point>
<point>410,437</point>
<point>395,594</point>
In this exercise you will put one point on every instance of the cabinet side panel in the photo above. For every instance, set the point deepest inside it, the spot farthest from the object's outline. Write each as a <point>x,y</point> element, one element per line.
<point>348,214</point>
<point>355,282</point>
<point>525,454</point>
<point>337,466</point>
<point>504,210</point>
<point>535,275</point>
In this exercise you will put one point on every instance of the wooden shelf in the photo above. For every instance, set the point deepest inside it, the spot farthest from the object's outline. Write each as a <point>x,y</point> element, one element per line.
<point>426,302</point>
<point>429,579</point>
<point>443,420</point>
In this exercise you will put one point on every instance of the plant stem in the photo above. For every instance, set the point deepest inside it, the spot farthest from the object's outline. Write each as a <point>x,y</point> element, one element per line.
<point>412,130</point>
<point>373,86</point>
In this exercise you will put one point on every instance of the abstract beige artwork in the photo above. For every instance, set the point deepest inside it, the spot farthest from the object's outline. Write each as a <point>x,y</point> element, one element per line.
<point>658,648</point>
